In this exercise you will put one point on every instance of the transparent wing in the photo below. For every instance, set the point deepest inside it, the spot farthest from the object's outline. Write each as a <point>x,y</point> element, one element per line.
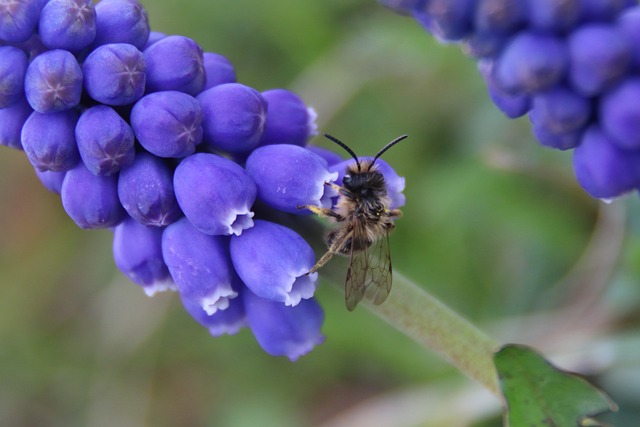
<point>369,274</point>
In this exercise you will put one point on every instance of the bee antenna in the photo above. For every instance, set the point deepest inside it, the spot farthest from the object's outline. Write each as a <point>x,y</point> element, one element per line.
<point>386,147</point>
<point>345,146</point>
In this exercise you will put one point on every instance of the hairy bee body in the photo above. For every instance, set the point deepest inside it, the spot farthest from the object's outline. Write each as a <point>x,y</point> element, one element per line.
<point>365,220</point>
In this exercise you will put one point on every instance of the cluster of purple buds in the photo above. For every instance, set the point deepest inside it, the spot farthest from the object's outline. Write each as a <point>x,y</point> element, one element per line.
<point>149,136</point>
<point>572,65</point>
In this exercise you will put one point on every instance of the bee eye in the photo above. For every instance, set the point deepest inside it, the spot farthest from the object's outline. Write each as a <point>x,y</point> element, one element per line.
<point>346,179</point>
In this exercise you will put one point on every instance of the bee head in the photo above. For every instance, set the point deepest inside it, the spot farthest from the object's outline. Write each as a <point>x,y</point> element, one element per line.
<point>368,166</point>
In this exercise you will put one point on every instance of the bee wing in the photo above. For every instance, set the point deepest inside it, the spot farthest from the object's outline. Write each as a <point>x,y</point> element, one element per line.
<point>379,274</point>
<point>369,274</point>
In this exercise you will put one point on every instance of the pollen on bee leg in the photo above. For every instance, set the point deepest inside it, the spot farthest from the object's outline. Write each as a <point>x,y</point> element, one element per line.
<point>322,212</point>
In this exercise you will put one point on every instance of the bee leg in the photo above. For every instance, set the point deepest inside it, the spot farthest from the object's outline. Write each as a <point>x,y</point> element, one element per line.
<point>322,212</point>
<point>322,261</point>
<point>333,185</point>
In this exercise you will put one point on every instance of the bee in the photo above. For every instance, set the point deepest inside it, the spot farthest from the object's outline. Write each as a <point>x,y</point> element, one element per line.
<point>366,219</point>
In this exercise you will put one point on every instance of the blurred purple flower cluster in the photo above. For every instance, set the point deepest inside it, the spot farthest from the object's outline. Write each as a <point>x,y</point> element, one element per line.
<point>572,65</point>
<point>151,137</point>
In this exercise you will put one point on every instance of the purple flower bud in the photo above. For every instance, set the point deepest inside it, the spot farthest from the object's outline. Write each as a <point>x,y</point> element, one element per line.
<point>13,66</point>
<point>234,117</point>
<point>552,15</point>
<point>53,82</point>
<point>137,251</point>
<point>448,20</point>
<point>218,70</point>
<point>18,20</point>
<point>105,140</point>
<point>288,176</point>
<point>604,170</point>
<point>154,36</point>
<point>12,119</point>
<point>168,124</point>
<point>114,74</point>
<point>395,183</point>
<point>200,265</point>
<point>560,110</point>
<point>273,262</point>
<point>68,24</point>
<point>32,47</point>
<point>175,63</point>
<point>484,44</point>
<point>405,7</point>
<point>228,321</point>
<point>599,56</point>
<point>499,16</point>
<point>331,157</point>
<point>629,24</point>
<point>91,201</point>
<point>289,121</point>
<point>512,105</point>
<point>530,63</point>
<point>121,21</point>
<point>620,114</point>
<point>49,140</point>
<point>598,10</point>
<point>215,193</point>
<point>556,139</point>
<point>284,331</point>
<point>52,181</point>
<point>146,191</point>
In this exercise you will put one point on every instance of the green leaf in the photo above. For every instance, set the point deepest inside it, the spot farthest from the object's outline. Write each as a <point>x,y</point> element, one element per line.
<point>540,395</point>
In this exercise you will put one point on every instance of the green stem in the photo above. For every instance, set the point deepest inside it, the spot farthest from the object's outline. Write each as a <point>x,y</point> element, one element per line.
<point>425,319</point>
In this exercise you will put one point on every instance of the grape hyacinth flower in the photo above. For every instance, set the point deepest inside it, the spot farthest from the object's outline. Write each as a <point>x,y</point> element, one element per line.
<point>573,66</point>
<point>215,194</point>
<point>195,173</point>
<point>137,252</point>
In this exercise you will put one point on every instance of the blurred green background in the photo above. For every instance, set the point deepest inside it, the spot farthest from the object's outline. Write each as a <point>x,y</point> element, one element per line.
<point>494,225</point>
